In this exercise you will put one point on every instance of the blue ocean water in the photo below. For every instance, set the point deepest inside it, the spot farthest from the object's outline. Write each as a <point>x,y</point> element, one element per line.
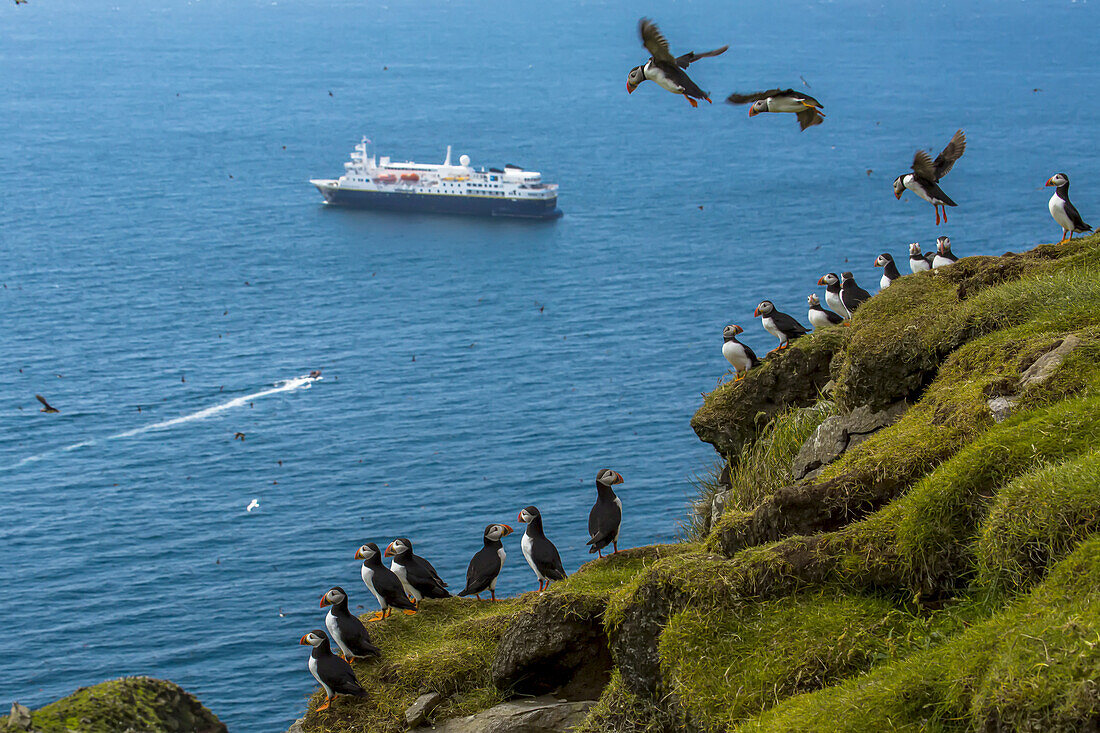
<point>162,249</point>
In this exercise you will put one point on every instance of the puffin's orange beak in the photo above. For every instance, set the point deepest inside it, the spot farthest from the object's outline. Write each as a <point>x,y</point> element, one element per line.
<point>358,555</point>
<point>618,478</point>
<point>897,195</point>
<point>507,530</point>
<point>389,551</point>
<point>739,329</point>
<point>324,601</point>
<point>876,263</point>
<point>753,112</point>
<point>630,88</point>
<point>520,517</point>
<point>821,280</point>
<point>303,639</point>
<point>1049,181</point>
<point>756,313</point>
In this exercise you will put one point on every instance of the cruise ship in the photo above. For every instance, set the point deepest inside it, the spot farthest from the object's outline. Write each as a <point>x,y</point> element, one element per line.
<point>441,189</point>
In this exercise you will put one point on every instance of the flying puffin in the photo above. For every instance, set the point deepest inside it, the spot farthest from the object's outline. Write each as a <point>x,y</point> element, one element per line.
<point>832,294</point>
<point>851,295</point>
<point>740,356</point>
<point>382,582</point>
<point>346,629</point>
<point>607,513</point>
<point>943,256</point>
<point>540,552</point>
<point>416,574</point>
<point>486,563</point>
<point>334,674</point>
<point>889,270</point>
<point>819,317</point>
<point>1063,211</point>
<point>919,262</point>
<point>663,68</point>
<point>927,173</point>
<point>783,327</point>
<point>805,107</point>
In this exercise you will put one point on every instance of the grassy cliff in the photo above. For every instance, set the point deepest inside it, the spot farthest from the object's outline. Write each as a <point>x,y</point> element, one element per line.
<point>940,574</point>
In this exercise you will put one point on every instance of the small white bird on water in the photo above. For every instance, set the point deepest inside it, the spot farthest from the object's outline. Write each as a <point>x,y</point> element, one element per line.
<point>254,504</point>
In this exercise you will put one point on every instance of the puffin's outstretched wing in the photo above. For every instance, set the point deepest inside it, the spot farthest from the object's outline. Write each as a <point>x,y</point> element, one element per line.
<point>736,98</point>
<point>654,42</point>
<point>691,57</point>
<point>809,117</point>
<point>47,407</point>
<point>950,154</point>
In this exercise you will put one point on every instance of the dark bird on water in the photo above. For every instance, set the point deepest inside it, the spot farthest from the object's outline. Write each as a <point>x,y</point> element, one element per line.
<point>805,108</point>
<point>46,406</point>
<point>1063,211</point>
<point>238,436</point>
<point>606,516</point>
<point>662,68</point>
<point>924,180</point>
<point>538,550</point>
<point>485,565</point>
<point>334,674</point>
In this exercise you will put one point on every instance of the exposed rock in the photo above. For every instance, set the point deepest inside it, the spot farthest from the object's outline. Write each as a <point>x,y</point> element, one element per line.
<point>558,644</point>
<point>538,715</point>
<point>839,433</point>
<point>19,718</point>
<point>129,704</point>
<point>298,726</point>
<point>1045,366</point>
<point>1002,407</point>
<point>422,708</point>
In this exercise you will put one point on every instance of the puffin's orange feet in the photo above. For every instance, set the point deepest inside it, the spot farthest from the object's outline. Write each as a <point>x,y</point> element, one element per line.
<point>328,700</point>
<point>378,616</point>
<point>407,612</point>
<point>691,101</point>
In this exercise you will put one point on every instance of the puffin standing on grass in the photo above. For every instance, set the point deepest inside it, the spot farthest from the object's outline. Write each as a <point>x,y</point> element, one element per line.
<point>740,356</point>
<point>382,583</point>
<point>540,552</point>
<point>417,576</point>
<point>345,628</point>
<point>664,69</point>
<point>486,564</point>
<point>805,107</point>
<point>783,327</point>
<point>334,674</point>
<point>927,173</point>
<point>943,257</point>
<point>851,295</point>
<point>606,516</point>
<point>819,317</point>
<point>831,281</point>
<point>1063,211</point>
<point>919,261</point>
<point>889,270</point>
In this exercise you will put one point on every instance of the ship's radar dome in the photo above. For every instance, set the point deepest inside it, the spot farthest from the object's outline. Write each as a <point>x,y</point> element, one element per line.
<point>464,160</point>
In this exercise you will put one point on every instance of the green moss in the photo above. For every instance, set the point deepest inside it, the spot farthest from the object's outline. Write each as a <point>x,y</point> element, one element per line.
<point>130,703</point>
<point>620,711</point>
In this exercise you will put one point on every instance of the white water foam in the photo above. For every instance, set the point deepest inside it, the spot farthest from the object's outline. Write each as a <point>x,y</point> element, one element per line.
<point>283,386</point>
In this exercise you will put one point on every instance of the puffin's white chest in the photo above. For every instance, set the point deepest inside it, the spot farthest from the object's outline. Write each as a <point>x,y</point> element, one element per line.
<point>913,185</point>
<point>403,575</point>
<point>525,545</point>
<point>919,264</point>
<point>334,632</point>
<point>884,281</point>
<point>654,73</point>
<point>833,301</point>
<point>1057,208</point>
<point>939,261</point>
<point>368,580</point>
<point>503,556</point>
<point>736,356</point>
<point>784,104</point>
<point>618,503</point>
<point>313,671</point>
<point>818,319</point>
<point>769,325</point>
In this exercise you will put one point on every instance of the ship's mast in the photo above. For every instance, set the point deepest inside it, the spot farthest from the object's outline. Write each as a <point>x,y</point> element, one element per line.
<point>448,160</point>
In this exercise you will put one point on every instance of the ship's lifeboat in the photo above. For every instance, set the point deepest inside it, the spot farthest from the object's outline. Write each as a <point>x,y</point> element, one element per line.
<point>410,177</point>
<point>388,178</point>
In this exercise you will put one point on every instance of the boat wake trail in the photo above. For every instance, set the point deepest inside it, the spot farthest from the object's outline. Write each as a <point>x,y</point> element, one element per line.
<point>284,386</point>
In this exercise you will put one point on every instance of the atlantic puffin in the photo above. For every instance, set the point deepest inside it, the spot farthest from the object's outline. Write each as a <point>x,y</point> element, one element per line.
<point>606,516</point>
<point>783,327</point>
<point>819,317</point>
<point>46,406</point>
<point>927,173</point>
<point>1063,211</point>
<point>382,582</point>
<point>740,356</point>
<point>919,261</point>
<point>943,256</point>
<point>851,295</point>
<point>805,107</point>
<point>485,566</point>
<point>334,674</point>
<point>540,552</point>
<point>664,69</point>
<point>831,281</point>
<point>889,270</point>
<point>416,574</point>
<point>345,628</point>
